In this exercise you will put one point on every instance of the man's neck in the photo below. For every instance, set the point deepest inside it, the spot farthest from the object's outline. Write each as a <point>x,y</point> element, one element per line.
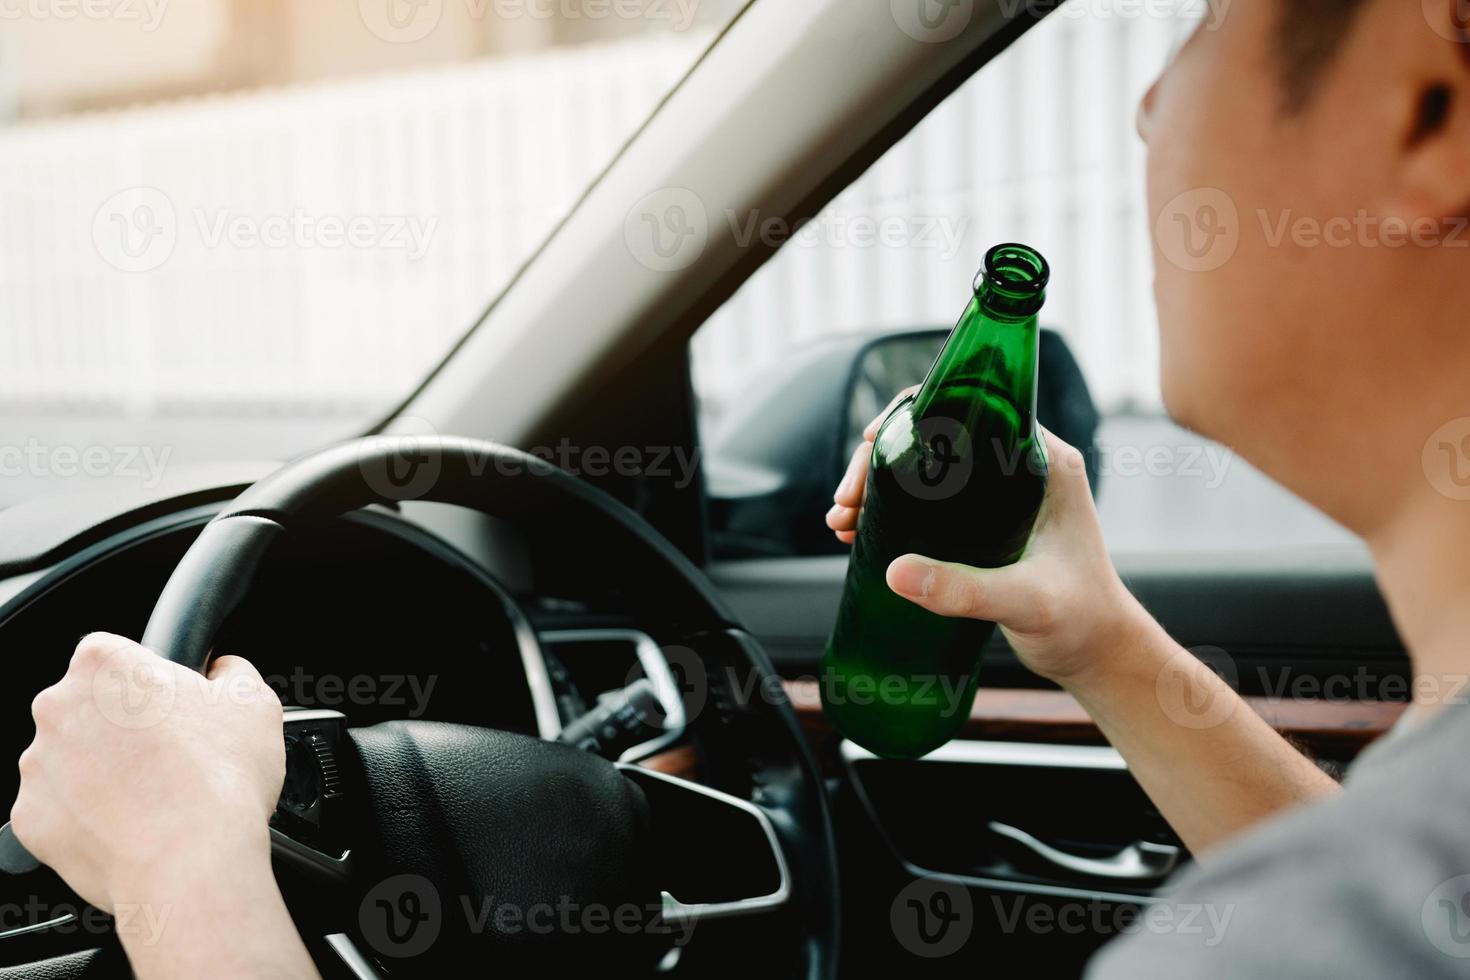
<point>1424,570</point>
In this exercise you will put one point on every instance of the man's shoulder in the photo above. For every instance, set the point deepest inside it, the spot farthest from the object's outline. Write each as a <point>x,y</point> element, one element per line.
<point>1373,883</point>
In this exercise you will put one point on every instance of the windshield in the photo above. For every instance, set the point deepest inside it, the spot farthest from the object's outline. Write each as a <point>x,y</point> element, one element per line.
<point>239,230</point>
<point>899,247</point>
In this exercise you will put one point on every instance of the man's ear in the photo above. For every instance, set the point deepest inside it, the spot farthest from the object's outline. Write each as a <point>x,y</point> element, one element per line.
<point>1433,179</point>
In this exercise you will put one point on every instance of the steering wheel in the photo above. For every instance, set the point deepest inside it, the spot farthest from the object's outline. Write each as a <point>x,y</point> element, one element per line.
<point>442,840</point>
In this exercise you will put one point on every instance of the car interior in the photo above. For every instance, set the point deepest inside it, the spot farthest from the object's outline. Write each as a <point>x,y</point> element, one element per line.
<point>482,646</point>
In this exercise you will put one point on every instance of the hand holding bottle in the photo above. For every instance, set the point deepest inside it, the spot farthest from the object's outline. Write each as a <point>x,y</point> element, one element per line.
<point>1070,619</point>
<point>960,468</point>
<point>958,472</point>
<point>1061,606</point>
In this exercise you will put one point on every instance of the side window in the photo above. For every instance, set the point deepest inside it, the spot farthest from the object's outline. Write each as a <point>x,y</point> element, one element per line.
<point>855,306</point>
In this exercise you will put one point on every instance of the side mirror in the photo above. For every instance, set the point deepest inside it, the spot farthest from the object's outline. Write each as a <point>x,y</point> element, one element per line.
<point>895,361</point>
<point>771,469</point>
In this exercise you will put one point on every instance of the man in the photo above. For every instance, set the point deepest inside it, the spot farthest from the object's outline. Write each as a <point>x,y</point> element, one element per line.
<point>1334,356</point>
<point>1329,364</point>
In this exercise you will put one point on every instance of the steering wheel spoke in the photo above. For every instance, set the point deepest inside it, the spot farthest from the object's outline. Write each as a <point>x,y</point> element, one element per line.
<point>744,873</point>
<point>305,859</point>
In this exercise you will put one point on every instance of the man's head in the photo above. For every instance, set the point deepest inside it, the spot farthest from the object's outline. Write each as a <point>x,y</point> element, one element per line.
<point>1309,177</point>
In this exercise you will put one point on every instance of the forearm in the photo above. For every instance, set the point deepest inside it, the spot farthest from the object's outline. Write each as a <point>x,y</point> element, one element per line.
<point>1210,764</point>
<point>218,918</point>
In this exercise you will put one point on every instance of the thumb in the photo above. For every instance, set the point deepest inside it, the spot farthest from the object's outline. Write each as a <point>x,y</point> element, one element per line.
<point>997,595</point>
<point>1067,485</point>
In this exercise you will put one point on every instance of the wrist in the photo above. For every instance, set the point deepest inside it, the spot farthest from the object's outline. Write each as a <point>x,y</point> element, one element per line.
<point>195,912</point>
<point>196,867</point>
<point>1128,645</point>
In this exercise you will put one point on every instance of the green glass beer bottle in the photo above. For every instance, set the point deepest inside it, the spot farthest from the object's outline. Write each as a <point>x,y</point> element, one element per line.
<point>958,473</point>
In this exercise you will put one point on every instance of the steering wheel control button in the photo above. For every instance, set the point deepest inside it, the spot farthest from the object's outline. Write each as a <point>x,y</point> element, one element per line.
<point>326,762</point>
<point>303,786</point>
<point>621,720</point>
<point>313,784</point>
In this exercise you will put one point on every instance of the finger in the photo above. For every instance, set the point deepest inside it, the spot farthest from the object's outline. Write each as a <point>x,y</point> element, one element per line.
<point>96,648</point>
<point>31,822</point>
<point>997,595</point>
<point>242,681</point>
<point>871,432</point>
<point>226,667</point>
<point>100,662</point>
<point>841,518</point>
<point>854,481</point>
<point>1068,501</point>
<point>847,537</point>
<point>1067,469</point>
<point>50,706</point>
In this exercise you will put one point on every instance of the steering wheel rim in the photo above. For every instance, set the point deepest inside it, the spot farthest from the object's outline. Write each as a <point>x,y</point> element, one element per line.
<point>217,570</point>
<point>502,482</point>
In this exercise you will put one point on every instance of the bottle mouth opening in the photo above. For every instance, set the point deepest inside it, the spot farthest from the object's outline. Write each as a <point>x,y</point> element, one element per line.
<point>1016,270</point>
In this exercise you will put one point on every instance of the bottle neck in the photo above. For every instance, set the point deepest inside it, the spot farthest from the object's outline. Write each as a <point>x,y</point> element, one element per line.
<point>992,354</point>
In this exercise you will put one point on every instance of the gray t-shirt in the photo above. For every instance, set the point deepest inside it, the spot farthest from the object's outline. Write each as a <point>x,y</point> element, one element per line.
<point>1375,883</point>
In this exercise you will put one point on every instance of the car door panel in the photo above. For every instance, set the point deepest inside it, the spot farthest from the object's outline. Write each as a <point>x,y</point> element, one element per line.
<point>1028,834</point>
<point>1310,612</point>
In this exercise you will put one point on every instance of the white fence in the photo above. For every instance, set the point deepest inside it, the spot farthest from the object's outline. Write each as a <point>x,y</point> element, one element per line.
<point>190,258</point>
<point>198,257</point>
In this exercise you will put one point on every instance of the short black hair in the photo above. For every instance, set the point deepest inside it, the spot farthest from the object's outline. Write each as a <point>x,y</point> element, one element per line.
<point>1309,35</point>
